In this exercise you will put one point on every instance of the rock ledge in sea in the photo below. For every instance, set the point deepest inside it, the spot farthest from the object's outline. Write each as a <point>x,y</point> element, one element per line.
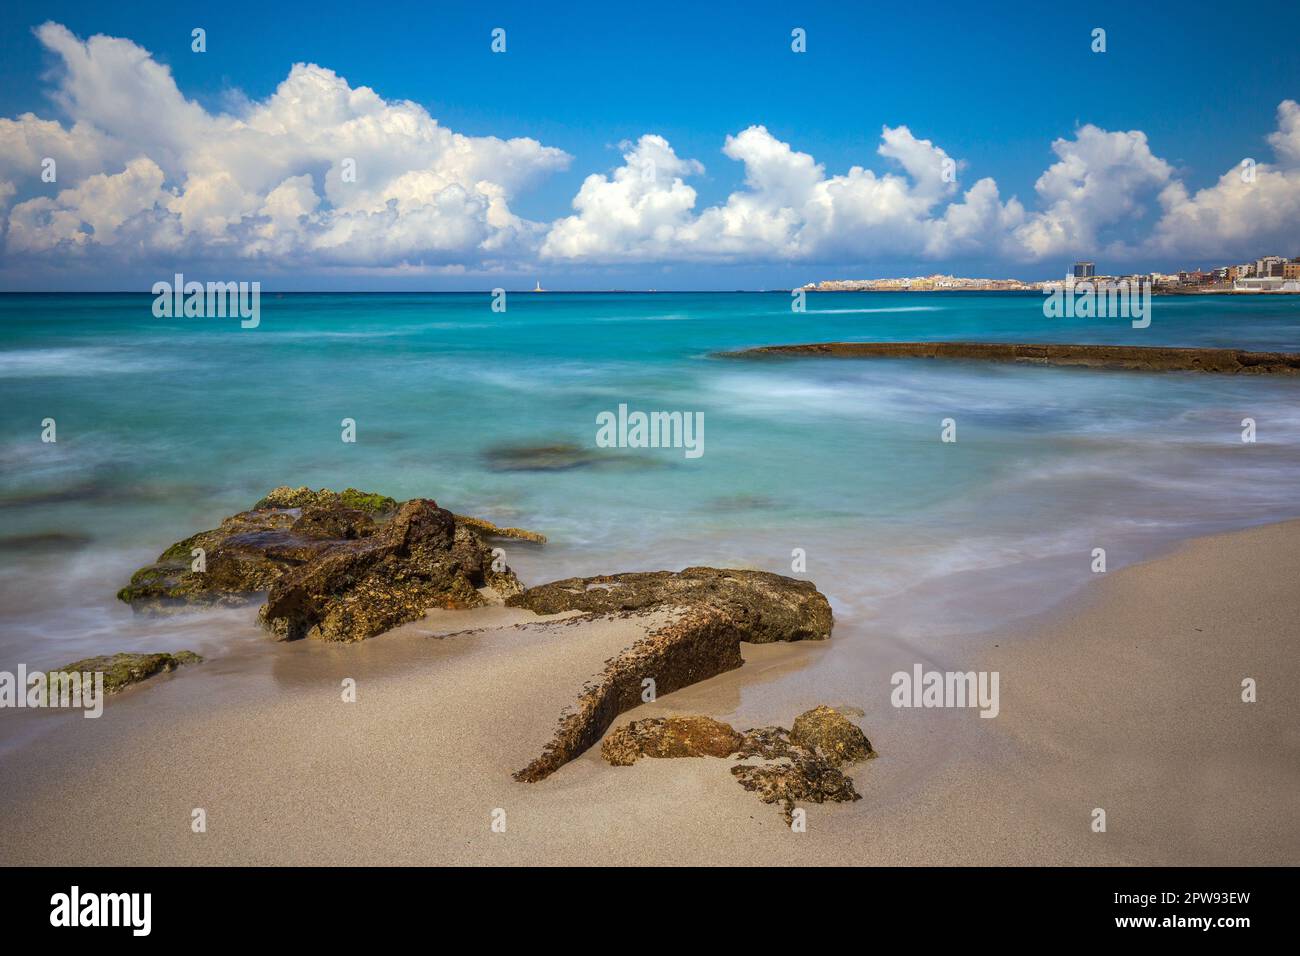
<point>713,610</point>
<point>338,566</point>
<point>1128,357</point>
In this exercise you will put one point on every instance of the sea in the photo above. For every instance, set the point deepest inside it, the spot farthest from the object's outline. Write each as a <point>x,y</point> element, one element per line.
<point>832,470</point>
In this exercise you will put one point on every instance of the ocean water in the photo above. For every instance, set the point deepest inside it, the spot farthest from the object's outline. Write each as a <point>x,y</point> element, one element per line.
<point>166,425</point>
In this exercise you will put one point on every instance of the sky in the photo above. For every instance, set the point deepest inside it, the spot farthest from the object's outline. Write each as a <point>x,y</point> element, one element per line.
<point>669,146</point>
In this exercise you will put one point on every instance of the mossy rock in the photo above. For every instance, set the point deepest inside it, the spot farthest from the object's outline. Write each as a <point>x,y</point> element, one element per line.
<point>367,501</point>
<point>124,669</point>
<point>334,565</point>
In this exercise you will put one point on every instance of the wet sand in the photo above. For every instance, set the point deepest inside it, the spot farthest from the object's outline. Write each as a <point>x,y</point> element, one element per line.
<point>1128,698</point>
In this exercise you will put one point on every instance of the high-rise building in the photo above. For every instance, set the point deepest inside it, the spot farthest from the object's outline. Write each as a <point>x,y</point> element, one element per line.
<point>1085,270</point>
<point>1269,267</point>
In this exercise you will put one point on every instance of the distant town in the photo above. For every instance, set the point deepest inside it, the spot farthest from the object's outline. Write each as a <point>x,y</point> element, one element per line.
<point>1265,275</point>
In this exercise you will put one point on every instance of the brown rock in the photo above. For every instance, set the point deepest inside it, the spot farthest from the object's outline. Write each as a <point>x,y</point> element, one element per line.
<point>1129,357</point>
<point>714,610</point>
<point>829,733</point>
<point>670,737</point>
<point>781,766</point>
<point>359,588</point>
<point>337,565</point>
<point>800,778</point>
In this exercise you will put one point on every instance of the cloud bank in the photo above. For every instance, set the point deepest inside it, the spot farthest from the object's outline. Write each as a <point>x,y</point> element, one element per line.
<point>324,175</point>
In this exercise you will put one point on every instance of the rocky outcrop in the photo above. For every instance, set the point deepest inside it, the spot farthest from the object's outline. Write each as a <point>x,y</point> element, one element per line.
<point>782,766</point>
<point>1128,357</point>
<point>338,566</point>
<point>360,587</point>
<point>123,670</point>
<point>711,612</point>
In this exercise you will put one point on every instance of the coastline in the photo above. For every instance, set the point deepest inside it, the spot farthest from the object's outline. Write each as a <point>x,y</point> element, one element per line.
<point>1126,697</point>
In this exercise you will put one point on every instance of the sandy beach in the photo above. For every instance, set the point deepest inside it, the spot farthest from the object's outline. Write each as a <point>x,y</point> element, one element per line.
<point>1128,698</point>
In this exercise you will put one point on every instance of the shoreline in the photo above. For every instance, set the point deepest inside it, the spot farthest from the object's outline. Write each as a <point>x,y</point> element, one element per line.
<point>1111,699</point>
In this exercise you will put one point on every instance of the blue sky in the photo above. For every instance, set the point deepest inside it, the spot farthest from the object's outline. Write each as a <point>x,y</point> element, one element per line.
<point>990,85</point>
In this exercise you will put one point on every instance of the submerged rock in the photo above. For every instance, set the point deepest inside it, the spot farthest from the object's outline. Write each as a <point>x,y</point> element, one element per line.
<point>122,670</point>
<point>563,456</point>
<point>670,737</point>
<point>338,566</point>
<point>712,611</point>
<point>1142,358</point>
<point>557,456</point>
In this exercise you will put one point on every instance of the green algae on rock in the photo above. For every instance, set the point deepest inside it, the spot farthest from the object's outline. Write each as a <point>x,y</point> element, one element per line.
<point>712,610</point>
<point>335,565</point>
<point>123,670</point>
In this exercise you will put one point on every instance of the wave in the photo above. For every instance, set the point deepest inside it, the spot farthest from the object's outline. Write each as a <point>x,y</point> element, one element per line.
<point>901,308</point>
<point>76,361</point>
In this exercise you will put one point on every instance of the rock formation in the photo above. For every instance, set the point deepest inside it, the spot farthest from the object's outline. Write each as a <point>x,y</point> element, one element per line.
<point>122,670</point>
<point>337,566</point>
<point>802,765</point>
<point>712,612</point>
<point>1130,357</point>
<point>670,737</point>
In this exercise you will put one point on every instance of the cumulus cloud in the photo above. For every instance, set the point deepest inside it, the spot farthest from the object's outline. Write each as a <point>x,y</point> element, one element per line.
<point>1102,187</point>
<point>1252,208</point>
<point>1099,180</point>
<point>637,212</point>
<point>152,171</point>
<point>325,175</point>
<point>789,208</point>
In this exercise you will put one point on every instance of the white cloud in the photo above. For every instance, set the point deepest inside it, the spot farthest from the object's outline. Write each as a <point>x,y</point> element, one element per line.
<point>1099,181</point>
<point>1247,212</point>
<point>95,212</point>
<point>142,170</point>
<point>636,213</point>
<point>788,209</point>
<point>264,182</point>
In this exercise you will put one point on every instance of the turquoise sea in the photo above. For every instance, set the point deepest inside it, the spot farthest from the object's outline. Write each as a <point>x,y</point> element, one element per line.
<point>164,426</point>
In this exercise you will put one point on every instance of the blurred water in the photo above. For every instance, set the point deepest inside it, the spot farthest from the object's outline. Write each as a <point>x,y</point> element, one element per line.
<point>167,425</point>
